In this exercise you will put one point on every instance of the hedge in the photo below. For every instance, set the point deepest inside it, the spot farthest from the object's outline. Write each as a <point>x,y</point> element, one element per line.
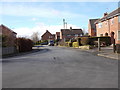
<point>75,44</point>
<point>24,44</point>
<point>93,40</point>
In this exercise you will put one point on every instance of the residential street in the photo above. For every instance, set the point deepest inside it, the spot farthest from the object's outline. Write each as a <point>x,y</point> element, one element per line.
<point>60,67</point>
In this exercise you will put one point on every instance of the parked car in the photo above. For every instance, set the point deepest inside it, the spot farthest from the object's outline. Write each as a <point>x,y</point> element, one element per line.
<point>51,43</point>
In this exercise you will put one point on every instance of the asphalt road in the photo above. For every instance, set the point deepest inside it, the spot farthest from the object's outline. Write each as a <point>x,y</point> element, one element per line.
<point>59,67</point>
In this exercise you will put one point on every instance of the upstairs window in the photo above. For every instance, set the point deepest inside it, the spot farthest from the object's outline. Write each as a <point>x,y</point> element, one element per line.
<point>112,21</point>
<point>119,19</point>
<point>50,36</point>
<point>68,35</point>
<point>100,25</point>
<point>76,35</point>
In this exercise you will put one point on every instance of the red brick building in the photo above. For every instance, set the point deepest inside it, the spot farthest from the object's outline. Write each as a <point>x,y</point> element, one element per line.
<point>57,36</point>
<point>9,34</point>
<point>92,27</point>
<point>48,36</point>
<point>109,25</point>
<point>68,34</point>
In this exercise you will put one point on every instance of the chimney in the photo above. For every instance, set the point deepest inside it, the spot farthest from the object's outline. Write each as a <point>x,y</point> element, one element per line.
<point>105,14</point>
<point>70,28</point>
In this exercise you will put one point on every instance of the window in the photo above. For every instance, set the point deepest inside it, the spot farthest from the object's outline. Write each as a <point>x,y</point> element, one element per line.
<point>118,35</point>
<point>76,35</point>
<point>106,22</point>
<point>68,35</point>
<point>118,18</point>
<point>112,21</point>
<point>100,25</point>
<point>50,36</point>
<point>80,34</point>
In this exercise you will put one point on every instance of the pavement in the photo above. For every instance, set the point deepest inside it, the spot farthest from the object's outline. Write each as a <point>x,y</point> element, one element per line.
<point>108,52</point>
<point>59,67</point>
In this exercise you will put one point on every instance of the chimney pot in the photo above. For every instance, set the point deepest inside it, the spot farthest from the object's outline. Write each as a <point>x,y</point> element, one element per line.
<point>105,14</point>
<point>70,28</point>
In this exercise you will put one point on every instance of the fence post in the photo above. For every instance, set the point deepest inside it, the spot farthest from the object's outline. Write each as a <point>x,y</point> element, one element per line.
<point>99,49</point>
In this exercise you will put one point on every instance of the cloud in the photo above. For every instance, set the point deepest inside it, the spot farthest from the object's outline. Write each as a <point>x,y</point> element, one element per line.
<point>41,29</point>
<point>41,10</point>
<point>34,19</point>
<point>59,0</point>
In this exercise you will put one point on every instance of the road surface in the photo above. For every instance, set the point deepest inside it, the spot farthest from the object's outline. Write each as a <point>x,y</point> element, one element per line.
<point>59,67</point>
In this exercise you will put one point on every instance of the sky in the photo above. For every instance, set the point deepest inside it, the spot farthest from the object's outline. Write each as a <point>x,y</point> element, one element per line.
<point>27,17</point>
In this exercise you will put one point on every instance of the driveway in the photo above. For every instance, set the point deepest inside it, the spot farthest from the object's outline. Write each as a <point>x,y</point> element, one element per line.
<point>60,67</point>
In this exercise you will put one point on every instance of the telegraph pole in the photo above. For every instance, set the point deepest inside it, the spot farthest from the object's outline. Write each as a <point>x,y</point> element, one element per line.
<point>64,23</point>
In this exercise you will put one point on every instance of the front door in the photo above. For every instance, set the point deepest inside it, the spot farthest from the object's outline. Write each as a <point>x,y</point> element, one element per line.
<point>112,37</point>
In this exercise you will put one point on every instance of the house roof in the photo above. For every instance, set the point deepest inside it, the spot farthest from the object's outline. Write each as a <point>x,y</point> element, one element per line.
<point>7,28</point>
<point>46,32</point>
<point>72,31</point>
<point>92,21</point>
<point>110,15</point>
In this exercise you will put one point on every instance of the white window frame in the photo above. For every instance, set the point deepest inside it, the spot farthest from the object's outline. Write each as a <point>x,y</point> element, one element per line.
<point>76,35</point>
<point>119,19</point>
<point>99,25</point>
<point>112,21</point>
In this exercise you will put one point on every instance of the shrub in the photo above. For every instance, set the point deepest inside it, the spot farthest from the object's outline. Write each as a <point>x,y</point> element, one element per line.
<point>3,40</point>
<point>75,44</point>
<point>106,40</point>
<point>93,40</point>
<point>68,44</point>
<point>24,44</point>
<point>84,40</point>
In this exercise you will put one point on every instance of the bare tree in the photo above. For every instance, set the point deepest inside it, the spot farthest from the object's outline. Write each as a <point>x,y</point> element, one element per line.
<point>35,36</point>
<point>85,32</point>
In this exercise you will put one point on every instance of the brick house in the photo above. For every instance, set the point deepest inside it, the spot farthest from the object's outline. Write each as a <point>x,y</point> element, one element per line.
<point>57,36</point>
<point>10,35</point>
<point>9,45</point>
<point>92,27</point>
<point>68,34</point>
<point>48,36</point>
<point>109,25</point>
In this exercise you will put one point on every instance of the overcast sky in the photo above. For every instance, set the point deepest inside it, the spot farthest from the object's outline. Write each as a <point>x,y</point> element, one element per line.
<point>28,17</point>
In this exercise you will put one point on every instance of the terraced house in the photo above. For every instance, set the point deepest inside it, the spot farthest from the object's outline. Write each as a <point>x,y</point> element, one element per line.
<point>109,25</point>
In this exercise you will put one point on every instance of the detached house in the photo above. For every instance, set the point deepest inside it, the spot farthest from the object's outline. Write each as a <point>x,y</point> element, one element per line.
<point>68,34</point>
<point>9,45</point>
<point>92,27</point>
<point>10,35</point>
<point>109,25</point>
<point>48,36</point>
